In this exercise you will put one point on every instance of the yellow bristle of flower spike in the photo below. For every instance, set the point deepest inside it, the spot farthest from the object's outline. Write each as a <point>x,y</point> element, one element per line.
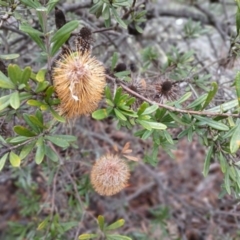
<point>79,82</point>
<point>109,175</point>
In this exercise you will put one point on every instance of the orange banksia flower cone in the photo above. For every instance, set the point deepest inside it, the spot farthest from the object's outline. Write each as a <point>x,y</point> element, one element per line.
<point>79,81</point>
<point>109,175</point>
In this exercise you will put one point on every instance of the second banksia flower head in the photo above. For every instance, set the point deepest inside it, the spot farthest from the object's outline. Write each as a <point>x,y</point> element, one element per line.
<point>79,81</point>
<point>109,175</point>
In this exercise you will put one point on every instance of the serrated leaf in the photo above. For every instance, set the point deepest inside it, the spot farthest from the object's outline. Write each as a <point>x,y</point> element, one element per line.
<point>5,82</point>
<point>101,222</point>
<point>3,161</point>
<point>14,100</point>
<point>87,236</point>
<point>211,95</point>
<point>40,153</point>
<point>100,114</point>
<point>20,130</point>
<point>119,223</point>
<point>207,161</point>
<point>58,141</point>
<point>14,159</point>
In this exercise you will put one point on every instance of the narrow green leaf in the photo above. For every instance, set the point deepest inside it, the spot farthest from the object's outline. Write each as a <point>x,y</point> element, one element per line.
<point>57,116</point>
<point>27,148</point>
<point>145,124</point>
<point>14,159</point>
<point>51,154</point>
<point>36,122</point>
<point>118,19</point>
<point>43,224</point>
<point>4,101</point>
<point>19,139</point>
<point>31,3</point>
<point>41,86</point>
<point>150,110</point>
<point>40,153</point>
<point>51,4</point>
<point>198,101</point>
<point>212,123</point>
<point>26,74</point>
<point>100,114</point>
<point>235,139</point>
<point>108,93</point>
<point>34,127</point>
<point>237,83</point>
<point>14,100</point>
<point>28,29</point>
<point>101,222</point>
<point>223,107</point>
<point>119,223</point>
<point>40,77</point>
<point>120,115</point>
<point>117,237</point>
<point>3,160</point>
<point>34,103</point>
<point>9,56</point>
<point>20,130</point>
<point>87,236</point>
<point>207,161</point>
<point>223,162</point>
<point>184,98</point>
<point>38,41</point>
<point>58,141</point>
<point>5,82</point>
<point>117,95</point>
<point>142,108</point>
<point>211,95</point>
<point>114,60</point>
<point>238,21</point>
<point>227,182</point>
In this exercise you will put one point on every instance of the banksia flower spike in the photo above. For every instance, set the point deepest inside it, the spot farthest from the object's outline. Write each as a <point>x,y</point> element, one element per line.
<point>109,175</point>
<point>79,82</point>
<point>166,91</point>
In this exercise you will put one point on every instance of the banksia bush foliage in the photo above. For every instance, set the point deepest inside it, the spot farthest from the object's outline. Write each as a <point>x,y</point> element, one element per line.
<point>109,175</point>
<point>79,81</point>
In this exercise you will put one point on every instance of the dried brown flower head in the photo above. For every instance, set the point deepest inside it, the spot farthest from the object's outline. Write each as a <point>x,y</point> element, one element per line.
<point>84,40</point>
<point>79,81</point>
<point>109,175</point>
<point>59,18</point>
<point>120,67</point>
<point>166,90</point>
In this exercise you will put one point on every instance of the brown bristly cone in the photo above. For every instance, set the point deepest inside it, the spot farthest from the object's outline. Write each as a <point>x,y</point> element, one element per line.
<point>59,18</point>
<point>109,175</point>
<point>79,82</point>
<point>120,67</point>
<point>84,40</point>
<point>167,90</point>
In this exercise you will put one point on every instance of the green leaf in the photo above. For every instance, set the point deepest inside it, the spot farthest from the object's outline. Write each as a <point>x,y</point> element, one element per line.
<point>237,83</point>
<point>26,74</point>
<point>14,100</point>
<point>145,124</point>
<point>62,35</point>
<point>238,21</point>
<point>4,101</point>
<point>69,138</point>
<point>117,95</point>
<point>28,120</point>
<point>14,159</point>
<point>40,77</point>
<point>28,29</point>
<point>27,148</point>
<point>3,160</point>
<point>20,130</point>
<point>58,141</point>
<point>235,139</point>
<point>36,122</point>
<point>87,236</point>
<point>150,110</point>
<point>15,73</point>
<point>41,86</point>
<point>119,223</point>
<point>212,123</point>
<point>227,182</point>
<point>38,41</point>
<point>198,101</point>
<point>211,95</point>
<point>207,161</point>
<point>51,154</point>
<point>120,115</point>
<point>223,107</point>
<point>100,114</point>
<point>34,103</point>
<point>108,93</point>
<point>118,19</point>
<point>142,108</point>
<point>117,237</point>
<point>18,139</point>
<point>223,162</point>
<point>184,98</point>
<point>57,116</point>
<point>114,60</point>
<point>40,153</point>
<point>101,222</point>
<point>43,224</point>
<point>51,4</point>
<point>31,3</point>
<point>9,56</point>
<point>5,82</point>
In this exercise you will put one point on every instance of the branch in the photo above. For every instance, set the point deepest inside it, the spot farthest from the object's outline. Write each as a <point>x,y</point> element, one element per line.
<point>170,108</point>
